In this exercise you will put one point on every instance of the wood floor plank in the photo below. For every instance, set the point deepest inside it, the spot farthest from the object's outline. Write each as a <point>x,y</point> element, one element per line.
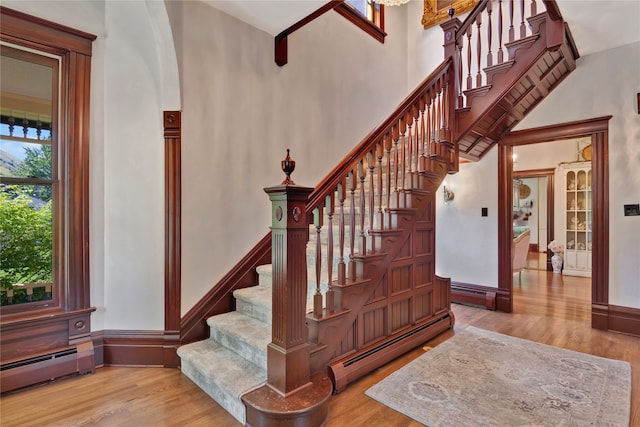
<point>548,308</point>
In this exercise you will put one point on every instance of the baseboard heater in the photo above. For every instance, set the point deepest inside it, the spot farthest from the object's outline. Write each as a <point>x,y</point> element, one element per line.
<point>79,359</point>
<point>469,295</point>
<point>359,364</point>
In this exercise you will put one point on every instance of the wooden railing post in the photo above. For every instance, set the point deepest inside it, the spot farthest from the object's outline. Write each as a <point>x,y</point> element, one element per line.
<point>288,368</point>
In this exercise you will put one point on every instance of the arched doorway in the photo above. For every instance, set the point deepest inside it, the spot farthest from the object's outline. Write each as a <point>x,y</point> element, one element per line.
<point>598,130</point>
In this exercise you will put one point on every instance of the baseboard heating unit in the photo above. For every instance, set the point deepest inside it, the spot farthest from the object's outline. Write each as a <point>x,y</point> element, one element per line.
<point>78,359</point>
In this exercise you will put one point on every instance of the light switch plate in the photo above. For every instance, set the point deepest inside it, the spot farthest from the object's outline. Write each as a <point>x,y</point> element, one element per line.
<point>632,210</point>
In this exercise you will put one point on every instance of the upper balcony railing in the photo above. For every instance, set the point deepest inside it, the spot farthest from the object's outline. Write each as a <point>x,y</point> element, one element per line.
<point>487,40</point>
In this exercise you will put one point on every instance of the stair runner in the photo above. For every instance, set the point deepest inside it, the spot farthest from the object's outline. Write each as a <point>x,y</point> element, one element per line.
<point>233,361</point>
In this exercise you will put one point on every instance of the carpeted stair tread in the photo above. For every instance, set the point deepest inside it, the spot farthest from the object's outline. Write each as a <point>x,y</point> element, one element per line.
<point>222,374</point>
<point>243,334</point>
<point>255,301</point>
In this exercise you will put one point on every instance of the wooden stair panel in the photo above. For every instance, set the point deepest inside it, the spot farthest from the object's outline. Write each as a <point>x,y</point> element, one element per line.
<point>515,87</point>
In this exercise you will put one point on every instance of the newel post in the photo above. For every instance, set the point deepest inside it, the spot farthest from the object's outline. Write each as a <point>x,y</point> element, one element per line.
<point>288,365</point>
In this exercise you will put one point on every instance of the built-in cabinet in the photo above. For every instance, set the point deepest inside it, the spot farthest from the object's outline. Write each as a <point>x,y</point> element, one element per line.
<point>578,233</point>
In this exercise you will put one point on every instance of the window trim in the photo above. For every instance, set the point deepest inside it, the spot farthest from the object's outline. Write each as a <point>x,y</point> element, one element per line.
<point>362,22</point>
<point>71,224</point>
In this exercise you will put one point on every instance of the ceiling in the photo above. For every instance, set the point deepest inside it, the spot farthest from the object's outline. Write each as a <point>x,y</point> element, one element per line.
<point>596,25</point>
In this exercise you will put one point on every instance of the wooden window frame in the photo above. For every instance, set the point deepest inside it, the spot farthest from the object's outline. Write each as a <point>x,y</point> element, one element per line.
<point>71,219</point>
<point>375,31</point>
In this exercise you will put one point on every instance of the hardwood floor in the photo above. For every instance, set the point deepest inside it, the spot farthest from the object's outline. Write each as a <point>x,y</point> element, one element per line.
<point>548,308</point>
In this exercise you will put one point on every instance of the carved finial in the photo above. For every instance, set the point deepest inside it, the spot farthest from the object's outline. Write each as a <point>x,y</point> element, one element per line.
<point>288,167</point>
<point>451,11</point>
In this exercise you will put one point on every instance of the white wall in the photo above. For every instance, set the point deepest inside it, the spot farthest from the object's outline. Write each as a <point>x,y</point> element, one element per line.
<point>241,111</point>
<point>466,242</point>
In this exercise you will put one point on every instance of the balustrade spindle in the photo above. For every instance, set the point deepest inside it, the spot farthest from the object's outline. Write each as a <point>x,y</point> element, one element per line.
<point>362,174</point>
<point>329,296</point>
<point>479,51</point>
<point>403,159</point>
<point>459,68</point>
<point>317,297</point>
<point>523,28</point>
<point>500,53</point>
<point>352,225</point>
<point>512,35</point>
<point>489,34</point>
<point>438,124</point>
<point>428,125</point>
<point>423,148</point>
<point>12,122</point>
<point>379,156</point>
<point>416,142</point>
<point>341,265</point>
<point>434,121</point>
<point>409,160</point>
<point>469,79</point>
<point>387,146</point>
<point>534,8</point>
<point>445,111</point>
<point>372,195</point>
<point>396,155</point>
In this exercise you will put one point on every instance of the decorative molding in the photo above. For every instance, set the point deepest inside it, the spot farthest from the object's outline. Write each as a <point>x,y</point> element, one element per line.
<point>361,22</point>
<point>281,51</point>
<point>172,121</point>
<point>625,320</point>
<point>134,348</point>
<point>598,129</point>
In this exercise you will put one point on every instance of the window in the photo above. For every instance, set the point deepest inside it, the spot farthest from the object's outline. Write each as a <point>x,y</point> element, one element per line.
<point>44,167</point>
<point>366,14</point>
<point>371,10</point>
<point>28,151</point>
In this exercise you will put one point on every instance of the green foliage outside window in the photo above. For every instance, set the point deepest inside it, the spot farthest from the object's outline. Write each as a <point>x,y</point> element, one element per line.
<point>26,228</point>
<point>25,241</point>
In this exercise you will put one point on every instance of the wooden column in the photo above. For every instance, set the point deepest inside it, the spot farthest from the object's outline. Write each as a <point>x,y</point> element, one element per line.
<point>288,368</point>
<point>172,122</point>
<point>293,395</point>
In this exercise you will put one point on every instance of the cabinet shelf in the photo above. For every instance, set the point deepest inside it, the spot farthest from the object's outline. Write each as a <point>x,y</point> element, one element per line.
<point>577,218</point>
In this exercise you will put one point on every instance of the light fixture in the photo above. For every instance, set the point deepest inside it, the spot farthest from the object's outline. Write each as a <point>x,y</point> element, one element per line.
<point>448,194</point>
<point>514,157</point>
<point>391,2</point>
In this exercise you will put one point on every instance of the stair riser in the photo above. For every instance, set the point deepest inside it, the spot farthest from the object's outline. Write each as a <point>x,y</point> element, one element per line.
<point>219,393</point>
<point>245,346</point>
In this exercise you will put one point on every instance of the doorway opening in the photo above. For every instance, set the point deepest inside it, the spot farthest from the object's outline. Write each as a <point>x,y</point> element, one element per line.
<point>597,131</point>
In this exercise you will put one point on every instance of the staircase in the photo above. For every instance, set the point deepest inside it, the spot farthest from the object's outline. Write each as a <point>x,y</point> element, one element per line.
<point>367,232</point>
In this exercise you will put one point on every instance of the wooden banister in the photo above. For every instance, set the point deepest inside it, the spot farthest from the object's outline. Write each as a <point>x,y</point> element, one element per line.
<point>281,39</point>
<point>380,133</point>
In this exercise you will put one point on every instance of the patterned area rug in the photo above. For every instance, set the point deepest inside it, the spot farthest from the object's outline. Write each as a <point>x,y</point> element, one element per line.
<point>482,378</point>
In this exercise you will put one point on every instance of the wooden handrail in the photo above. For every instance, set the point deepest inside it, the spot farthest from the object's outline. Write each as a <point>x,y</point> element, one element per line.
<point>331,181</point>
<point>473,16</point>
<point>281,39</point>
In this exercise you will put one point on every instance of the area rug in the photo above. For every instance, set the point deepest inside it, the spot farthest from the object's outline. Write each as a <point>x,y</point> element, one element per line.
<point>482,378</point>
